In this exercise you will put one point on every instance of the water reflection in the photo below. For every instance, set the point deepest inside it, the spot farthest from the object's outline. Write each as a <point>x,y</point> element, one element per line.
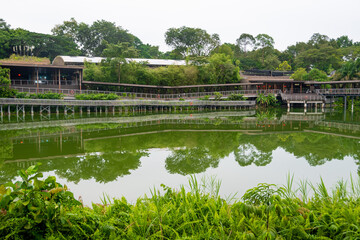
<point>110,148</point>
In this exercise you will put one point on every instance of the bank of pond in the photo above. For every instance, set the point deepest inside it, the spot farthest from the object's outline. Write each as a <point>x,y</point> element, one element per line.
<point>37,208</point>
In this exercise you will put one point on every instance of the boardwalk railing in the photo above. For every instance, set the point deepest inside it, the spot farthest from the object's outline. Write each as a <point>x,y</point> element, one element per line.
<point>174,118</point>
<point>302,97</point>
<point>41,83</point>
<point>335,91</point>
<point>65,102</point>
<point>148,95</point>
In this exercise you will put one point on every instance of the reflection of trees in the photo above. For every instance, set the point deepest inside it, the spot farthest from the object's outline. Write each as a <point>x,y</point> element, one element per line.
<point>190,161</point>
<point>103,167</point>
<point>316,148</point>
<point>105,155</point>
<point>246,154</point>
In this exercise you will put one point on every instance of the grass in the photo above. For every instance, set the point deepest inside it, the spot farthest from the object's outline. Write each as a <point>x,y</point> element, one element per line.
<point>305,211</point>
<point>26,59</point>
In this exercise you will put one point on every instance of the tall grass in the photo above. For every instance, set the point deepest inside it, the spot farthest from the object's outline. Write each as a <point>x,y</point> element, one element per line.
<point>196,211</point>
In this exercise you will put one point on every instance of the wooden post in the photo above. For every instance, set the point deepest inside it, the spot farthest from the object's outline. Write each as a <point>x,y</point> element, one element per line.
<point>59,81</point>
<point>37,80</point>
<point>81,78</point>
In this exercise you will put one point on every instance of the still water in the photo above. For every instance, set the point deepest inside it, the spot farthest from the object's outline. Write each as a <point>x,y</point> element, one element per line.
<point>129,156</point>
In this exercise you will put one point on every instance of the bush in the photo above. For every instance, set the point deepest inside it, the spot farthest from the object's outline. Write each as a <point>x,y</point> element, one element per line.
<point>205,98</point>
<point>99,96</point>
<point>218,96</point>
<point>21,95</point>
<point>47,95</point>
<point>236,97</point>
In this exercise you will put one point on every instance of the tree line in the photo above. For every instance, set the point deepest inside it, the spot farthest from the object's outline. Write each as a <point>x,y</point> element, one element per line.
<point>209,60</point>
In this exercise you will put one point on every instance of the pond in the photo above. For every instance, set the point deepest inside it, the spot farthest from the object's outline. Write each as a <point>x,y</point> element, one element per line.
<point>130,156</point>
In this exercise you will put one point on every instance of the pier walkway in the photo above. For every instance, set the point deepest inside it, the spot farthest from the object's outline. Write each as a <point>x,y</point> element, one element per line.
<point>122,105</point>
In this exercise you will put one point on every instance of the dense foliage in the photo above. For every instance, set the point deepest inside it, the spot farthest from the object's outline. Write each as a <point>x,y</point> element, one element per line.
<point>95,38</point>
<point>219,69</point>
<point>267,100</point>
<point>99,96</point>
<point>34,208</point>
<point>47,95</point>
<point>5,90</point>
<point>24,42</point>
<point>103,38</point>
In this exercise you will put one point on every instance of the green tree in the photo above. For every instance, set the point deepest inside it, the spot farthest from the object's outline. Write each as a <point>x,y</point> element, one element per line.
<point>350,69</point>
<point>222,70</point>
<point>191,41</point>
<point>284,66</point>
<point>225,49</point>
<point>299,75</point>
<point>5,38</point>
<point>264,42</point>
<point>120,50</point>
<point>271,62</point>
<point>318,39</point>
<point>92,39</point>
<point>5,90</point>
<point>244,41</point>
<point>316,75</point>
<point>321,58</point>
<point>344,42</point>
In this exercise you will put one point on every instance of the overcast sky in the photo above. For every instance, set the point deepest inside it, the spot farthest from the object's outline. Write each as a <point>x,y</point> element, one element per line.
<point>287,21</point>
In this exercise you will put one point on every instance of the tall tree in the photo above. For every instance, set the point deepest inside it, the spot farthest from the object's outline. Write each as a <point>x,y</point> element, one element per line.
<point>318,39</point>
<point>264,42</point>
<point>5,39</point>
<point>321,58</point>
<point>245,40</point>
<point>344,42</point>
<point>191,41</point>
<point>120,50</point>
<point>90,38</point>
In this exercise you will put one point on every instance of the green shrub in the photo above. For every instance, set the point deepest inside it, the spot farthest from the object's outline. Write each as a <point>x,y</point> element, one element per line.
<point>47,95</point>
<point>21,95</point>
<point>205,98</point>
<point>236,97</point>
<point>99,96</point>
<point>218,96</point>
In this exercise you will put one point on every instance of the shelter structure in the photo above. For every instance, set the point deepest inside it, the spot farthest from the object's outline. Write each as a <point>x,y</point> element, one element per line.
<point>43,75</point>
<point>268,80</point>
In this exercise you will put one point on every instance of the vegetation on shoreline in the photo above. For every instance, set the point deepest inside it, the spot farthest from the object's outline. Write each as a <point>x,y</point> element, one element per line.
<point>34,208</point>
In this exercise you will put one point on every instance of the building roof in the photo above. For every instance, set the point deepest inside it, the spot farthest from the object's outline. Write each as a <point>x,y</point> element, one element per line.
<point>34,65</point>
<point>80,60</point>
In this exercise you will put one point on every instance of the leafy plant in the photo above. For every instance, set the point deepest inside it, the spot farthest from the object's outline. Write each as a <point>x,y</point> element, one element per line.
<point>218,96</point>
<point>99,96</point>
<point>236,97</point>
<point>33,204</point>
